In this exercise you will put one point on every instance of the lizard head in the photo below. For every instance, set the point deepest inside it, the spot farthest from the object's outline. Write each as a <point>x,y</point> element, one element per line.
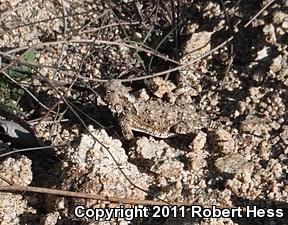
<point>118,98</point>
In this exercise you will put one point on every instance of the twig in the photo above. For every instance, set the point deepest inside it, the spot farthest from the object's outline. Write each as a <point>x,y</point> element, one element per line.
<point>7,180</point>
<point>19,188</point>
<point>13,151</point>
<point>166,71</point>
<point>118,43</point>
<point>107,26</point>
<point>231,59</point>
<point>257,14</point>
<point>36,121</point>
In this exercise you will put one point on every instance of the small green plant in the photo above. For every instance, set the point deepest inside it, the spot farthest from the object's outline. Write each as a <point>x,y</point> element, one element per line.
<point>21,73</point>
<point>9,92</point>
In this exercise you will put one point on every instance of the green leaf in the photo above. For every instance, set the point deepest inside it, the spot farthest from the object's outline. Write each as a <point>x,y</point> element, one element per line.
<point>19,73</point>
<point>29,56</point>
<point>8,91</point>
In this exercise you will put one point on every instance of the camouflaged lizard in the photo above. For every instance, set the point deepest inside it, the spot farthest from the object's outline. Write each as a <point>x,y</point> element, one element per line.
<point>154,116</point>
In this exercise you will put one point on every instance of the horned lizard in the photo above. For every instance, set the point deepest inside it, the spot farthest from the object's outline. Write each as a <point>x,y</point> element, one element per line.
<point>153,116</point>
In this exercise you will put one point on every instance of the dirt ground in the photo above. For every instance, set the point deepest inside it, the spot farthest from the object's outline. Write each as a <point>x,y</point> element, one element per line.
<point>180,102</point>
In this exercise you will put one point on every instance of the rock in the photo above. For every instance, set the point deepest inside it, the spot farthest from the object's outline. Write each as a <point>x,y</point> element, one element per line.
<point>223,142</point>
<point>232,163</point>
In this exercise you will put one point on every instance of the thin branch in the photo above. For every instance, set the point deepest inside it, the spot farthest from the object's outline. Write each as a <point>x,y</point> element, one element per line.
<point>13,151</point>
<point>80,41</point>
<point>257,14</point>
<point>107,26</point>
<point>6,180</point>
<point>50,191</point>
